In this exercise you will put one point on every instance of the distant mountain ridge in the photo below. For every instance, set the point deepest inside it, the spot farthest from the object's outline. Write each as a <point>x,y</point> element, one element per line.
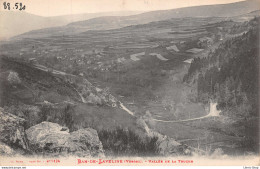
<point>220,10</point>
<point>115,22</point>
<point>13,23</point>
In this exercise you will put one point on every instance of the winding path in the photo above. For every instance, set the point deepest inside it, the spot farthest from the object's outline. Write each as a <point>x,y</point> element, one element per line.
<point>126,109</point>
<point>177,121</point>
<point>213,113</point>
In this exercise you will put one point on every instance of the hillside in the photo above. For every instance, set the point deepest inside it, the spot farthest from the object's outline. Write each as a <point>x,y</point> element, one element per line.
<point>43,92</point>
<point>229,75</point>
<point>110,22</point>
<point>12,23</point>
<point>131,79</point>
<point>47,100</point>
<point>246,16</point>
<point>106,58</point>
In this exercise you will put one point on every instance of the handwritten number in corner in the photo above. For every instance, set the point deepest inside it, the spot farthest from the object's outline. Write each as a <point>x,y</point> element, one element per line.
<point>16,6</point>
<point>6,5</point>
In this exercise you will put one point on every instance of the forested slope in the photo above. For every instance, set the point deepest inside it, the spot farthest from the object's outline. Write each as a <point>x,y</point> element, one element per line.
<point>229,76</point>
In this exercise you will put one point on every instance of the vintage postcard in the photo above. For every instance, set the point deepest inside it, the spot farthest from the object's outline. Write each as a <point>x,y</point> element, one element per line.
<point>129,82</point>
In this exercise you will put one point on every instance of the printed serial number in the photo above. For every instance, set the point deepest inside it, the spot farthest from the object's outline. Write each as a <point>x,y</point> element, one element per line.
<point>16,6</point>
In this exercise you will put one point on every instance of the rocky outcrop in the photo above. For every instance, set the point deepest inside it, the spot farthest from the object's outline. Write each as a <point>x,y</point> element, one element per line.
<point>6,150</point>
<point>166,146</point>
<point>52,139</point>
<point>170,147</point>
<point>12,130</point>
<point>46,138</point>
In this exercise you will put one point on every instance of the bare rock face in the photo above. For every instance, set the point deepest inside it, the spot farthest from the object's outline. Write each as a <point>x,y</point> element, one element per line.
<point>87,138</point>
<point>12,130</point>
<point>52,139</point>
<point>6,150</point>
<point>167,146</point>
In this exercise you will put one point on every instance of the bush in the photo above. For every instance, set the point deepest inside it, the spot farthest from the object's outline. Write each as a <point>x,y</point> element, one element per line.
<point>13,78</point>
<point>120,142</point>
<point>217,153</point>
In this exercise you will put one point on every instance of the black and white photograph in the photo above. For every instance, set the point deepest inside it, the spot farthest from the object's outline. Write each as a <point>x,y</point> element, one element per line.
<point>129,82</point>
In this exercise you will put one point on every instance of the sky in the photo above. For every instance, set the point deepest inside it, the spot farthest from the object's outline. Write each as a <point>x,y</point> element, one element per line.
<point>67,7</point>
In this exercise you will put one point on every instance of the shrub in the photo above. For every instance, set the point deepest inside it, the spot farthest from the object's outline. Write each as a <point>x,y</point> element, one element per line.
<point>13,78</point>
<point>120,142</point>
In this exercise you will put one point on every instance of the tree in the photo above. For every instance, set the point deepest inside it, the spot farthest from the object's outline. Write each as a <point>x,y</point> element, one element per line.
<point>13,78</point>
<point>68,117</point>
<point>228,94</point>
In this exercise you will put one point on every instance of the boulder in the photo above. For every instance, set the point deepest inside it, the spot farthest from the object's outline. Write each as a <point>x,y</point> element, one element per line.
<point>170,147</point>
<point>92,98</point>
<point>88,138</point>
<point>53,139</point>
<point>12,130</point>
<point>167,146</point>
<point>6,150</point>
